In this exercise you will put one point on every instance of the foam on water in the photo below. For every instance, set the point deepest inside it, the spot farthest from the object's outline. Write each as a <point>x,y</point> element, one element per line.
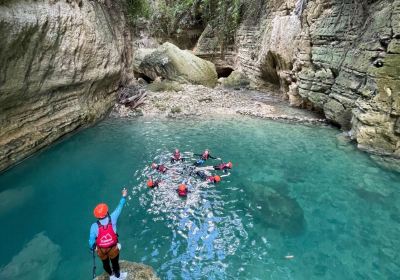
<point>298,204</point>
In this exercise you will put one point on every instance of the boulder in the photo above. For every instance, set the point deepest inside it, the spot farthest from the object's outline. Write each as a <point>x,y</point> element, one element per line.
<point>278,210</point>
<point>236,80</point>
<point>136,271</point>
<point>172,63</point>
<point>39,259</point>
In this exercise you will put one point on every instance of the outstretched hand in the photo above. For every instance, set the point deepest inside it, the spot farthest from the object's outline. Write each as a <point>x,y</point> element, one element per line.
<point>124,192</point>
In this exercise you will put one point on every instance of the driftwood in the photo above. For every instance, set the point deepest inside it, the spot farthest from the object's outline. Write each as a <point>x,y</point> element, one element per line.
<point>132,97</point>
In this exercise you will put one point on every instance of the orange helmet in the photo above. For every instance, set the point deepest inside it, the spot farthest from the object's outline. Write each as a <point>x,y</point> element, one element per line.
<point>100,211</point>
<point>217,178</point>
<point>150,183</point>
<point>229,164</point>
<point>182,187</point>
<point>154,165</point>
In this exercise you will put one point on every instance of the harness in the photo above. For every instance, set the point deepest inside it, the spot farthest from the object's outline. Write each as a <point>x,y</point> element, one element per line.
<point>107,238</point>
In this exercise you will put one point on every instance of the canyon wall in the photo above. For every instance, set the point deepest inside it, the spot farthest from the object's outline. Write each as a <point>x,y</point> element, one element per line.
<point>61,63</point>
<point>338,57</point>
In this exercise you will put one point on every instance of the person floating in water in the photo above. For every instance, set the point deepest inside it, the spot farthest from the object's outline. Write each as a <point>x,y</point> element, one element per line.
<point>159,167</point>
<point>153,184</point>
<point>104,239</point>
<point>176,156</point>
<point>223,166</point>
<point>208,177</point>
<point>203,157</point>
<point>182,190</point>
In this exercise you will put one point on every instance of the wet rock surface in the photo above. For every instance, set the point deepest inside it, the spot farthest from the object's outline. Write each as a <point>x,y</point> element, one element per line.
<point>195,101</point>
<point>135,271</point>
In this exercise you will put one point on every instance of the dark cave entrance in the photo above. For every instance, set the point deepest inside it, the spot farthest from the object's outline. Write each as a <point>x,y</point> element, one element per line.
<point>143,76</point>
<point>224,72</point>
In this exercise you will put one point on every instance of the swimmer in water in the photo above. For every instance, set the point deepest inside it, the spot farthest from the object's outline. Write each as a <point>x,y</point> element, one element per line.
<point>208,178</point>
<point>221,167</point>
<point>153,184</point>
<point>159,167</point>
<point>182,190</point>
<point>176,156</point>
<point>203,157</point>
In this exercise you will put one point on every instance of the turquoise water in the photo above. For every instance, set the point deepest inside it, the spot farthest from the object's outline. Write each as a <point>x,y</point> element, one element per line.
<point>294,191</point>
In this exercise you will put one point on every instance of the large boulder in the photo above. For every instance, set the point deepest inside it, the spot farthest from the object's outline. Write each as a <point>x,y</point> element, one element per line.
<point>277,210</point>
<point>172,63</point>
<point>136,271</point>
<point>236,80</point>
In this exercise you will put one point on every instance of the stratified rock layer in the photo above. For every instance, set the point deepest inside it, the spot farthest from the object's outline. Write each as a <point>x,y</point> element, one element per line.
<point>60,64</point>
<point>340,57</point>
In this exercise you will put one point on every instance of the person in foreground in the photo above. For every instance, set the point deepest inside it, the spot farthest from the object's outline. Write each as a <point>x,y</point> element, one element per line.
<point>104,239</point>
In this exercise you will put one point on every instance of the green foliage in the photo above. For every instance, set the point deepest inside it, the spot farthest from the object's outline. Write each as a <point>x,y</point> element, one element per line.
<point>170,17</point>
<point>136,9</point>
<point>224,18</point>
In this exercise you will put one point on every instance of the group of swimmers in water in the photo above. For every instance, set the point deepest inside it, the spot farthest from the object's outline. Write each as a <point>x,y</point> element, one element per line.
<point>192,169</point>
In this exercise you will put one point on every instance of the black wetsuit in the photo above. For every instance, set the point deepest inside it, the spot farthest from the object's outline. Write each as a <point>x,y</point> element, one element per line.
<point>203,157</point>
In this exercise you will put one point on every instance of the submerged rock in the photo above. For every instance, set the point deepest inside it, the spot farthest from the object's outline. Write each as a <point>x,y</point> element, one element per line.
<point>279,211</point>
<point>172,63</point>
<point>136,271</point>
<point>39,253</point>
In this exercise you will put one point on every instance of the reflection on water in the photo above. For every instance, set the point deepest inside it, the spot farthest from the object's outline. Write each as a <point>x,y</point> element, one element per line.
<point>297,205</point>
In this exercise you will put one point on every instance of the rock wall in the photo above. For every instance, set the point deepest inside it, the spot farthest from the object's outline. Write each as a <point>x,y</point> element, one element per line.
<point>338,57</point>
<point>60,65</point>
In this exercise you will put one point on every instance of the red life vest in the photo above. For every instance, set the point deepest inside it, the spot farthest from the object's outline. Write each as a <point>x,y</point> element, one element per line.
<point>182,192</point>
<point>161,168</point>
<point>107,237</point>
<point>205,156</point>
<point>211,179</point>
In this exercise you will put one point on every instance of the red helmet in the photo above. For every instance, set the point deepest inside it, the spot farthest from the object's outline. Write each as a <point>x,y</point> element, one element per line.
<point>217,179</point>
<point>100,211</point>
<point>150,183</point>
<point>229,164</point>
<point>154,165</point>
<point>182,187</point>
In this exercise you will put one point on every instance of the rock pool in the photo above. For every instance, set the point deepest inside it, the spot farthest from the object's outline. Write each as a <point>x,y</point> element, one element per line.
<point>299,204</point>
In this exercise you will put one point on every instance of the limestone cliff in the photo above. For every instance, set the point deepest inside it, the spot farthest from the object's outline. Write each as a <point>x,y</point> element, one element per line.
<point>60,64</point>
<point>340,57</point>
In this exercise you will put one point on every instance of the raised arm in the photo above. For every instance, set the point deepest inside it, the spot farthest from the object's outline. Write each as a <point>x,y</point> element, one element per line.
<point>115,214</point>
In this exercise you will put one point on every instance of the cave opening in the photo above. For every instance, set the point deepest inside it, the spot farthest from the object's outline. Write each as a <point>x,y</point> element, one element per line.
<point>269,69</point>
<point>143,76</point>
<point>224,72</point>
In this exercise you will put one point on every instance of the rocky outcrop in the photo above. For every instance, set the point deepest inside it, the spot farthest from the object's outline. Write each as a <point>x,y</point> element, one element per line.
<point>60,65</point>
<point>171,63</point>
<point>135,271</point>
<point>338,57</point>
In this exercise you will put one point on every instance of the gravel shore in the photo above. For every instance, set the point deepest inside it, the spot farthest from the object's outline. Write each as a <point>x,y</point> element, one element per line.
<point>195,100</point>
